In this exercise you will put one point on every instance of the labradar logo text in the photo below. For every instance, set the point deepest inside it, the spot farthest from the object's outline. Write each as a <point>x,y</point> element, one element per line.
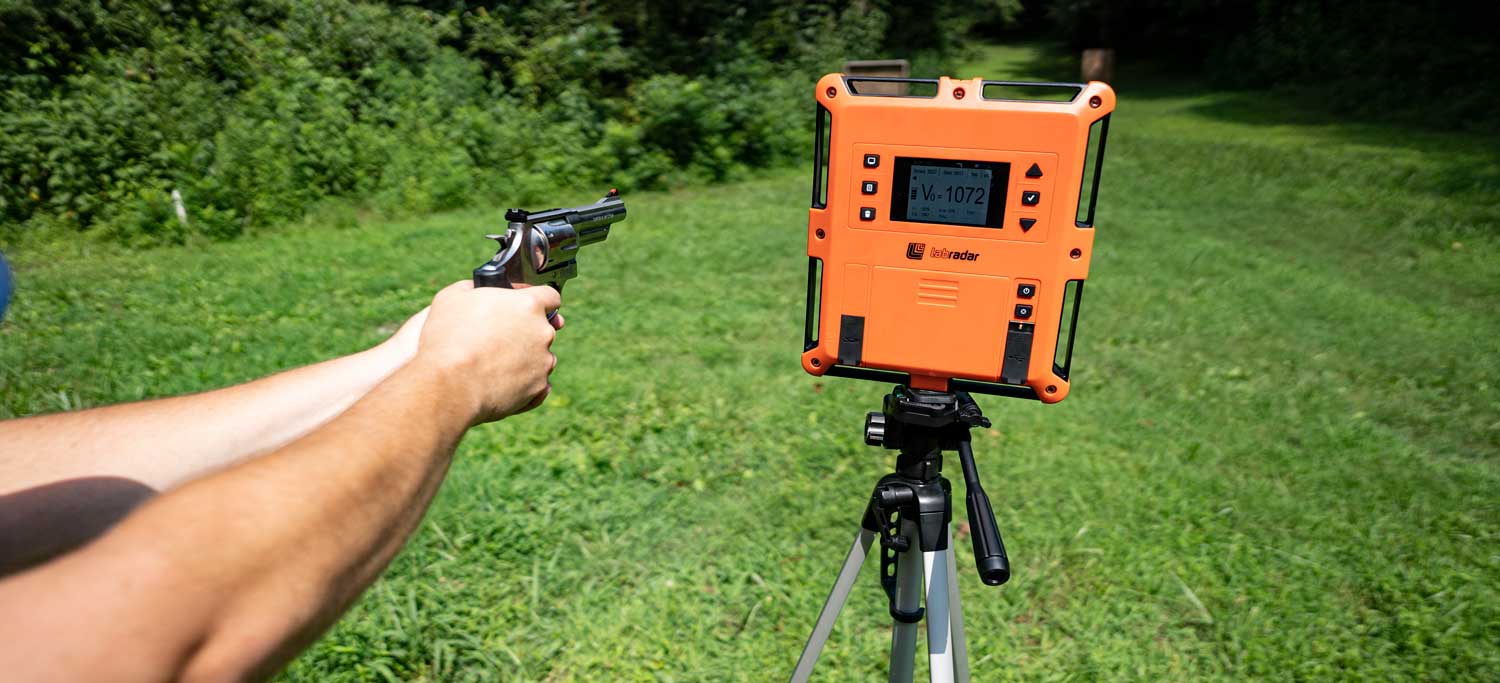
<point>917,250</point>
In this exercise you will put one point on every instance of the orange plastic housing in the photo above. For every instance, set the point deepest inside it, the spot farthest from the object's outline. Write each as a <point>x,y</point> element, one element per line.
<point>937,305</point>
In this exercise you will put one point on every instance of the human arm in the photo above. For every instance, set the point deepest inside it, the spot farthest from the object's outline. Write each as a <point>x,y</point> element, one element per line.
<point>165,442</point>
<point>68,477</point>
<point>227,577</point>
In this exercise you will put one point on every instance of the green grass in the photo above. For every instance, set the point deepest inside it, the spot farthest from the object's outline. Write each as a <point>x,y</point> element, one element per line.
<point>1280,458</point>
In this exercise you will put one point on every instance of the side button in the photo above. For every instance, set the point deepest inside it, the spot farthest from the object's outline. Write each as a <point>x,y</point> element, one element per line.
<point>1031,198</point>
<point>1026,224</point>
<point>867,213</point>
<point>1034,172</point>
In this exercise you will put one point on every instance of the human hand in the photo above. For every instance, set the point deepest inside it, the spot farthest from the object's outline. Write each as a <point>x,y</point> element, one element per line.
<point>401,346</point>
<point>493,344</point>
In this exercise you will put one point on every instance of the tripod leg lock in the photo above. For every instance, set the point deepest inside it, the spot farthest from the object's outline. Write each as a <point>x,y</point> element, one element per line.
<point>896,500</point>
<point>888,559</point>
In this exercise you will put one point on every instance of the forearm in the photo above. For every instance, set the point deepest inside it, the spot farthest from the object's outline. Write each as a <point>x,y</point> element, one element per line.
<point>166,442</point>
<point>373,472</point>
<point>258,559</point>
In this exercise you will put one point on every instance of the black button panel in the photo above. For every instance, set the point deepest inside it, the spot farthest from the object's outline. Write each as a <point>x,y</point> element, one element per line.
<point>872,160</point>
<point>1030,198</point>
<point>1023,311</point>
<point>1025,290</point>
<point>867,213</point>
<point>1026,224</point>
<point>868,187</point>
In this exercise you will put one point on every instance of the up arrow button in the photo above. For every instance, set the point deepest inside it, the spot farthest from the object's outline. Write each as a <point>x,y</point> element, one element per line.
<point>1034,172</point>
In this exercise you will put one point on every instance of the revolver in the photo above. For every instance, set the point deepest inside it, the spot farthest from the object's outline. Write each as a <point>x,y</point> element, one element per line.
<point>541,247</point>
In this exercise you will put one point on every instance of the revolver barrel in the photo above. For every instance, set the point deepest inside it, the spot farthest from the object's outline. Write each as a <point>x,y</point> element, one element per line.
<point>592,222</point>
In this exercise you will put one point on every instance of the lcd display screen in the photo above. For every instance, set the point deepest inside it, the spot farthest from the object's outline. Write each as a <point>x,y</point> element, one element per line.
<point>948,191</point>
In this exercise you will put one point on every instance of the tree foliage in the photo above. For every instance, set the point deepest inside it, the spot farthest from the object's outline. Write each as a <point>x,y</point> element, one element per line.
<point>256,110</point>
<point>1437,63</point>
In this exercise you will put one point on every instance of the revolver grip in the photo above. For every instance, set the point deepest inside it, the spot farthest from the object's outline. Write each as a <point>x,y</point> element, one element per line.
<point>492,274</point>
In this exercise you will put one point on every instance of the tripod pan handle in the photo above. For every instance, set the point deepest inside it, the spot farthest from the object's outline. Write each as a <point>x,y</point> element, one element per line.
<point>989,549</point>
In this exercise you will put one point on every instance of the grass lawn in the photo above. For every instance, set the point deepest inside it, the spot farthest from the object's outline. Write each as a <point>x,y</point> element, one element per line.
<point>1280,458</point>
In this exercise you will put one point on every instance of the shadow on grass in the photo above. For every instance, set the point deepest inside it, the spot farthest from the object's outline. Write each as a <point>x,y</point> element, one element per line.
<point>43,522</point>
<point>1472,155</point>
<point>1463,164</point>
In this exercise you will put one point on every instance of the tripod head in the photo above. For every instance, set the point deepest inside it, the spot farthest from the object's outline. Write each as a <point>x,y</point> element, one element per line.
<point>921,424</point>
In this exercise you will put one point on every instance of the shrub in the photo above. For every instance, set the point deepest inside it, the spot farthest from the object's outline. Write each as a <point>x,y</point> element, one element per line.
<point>257,110</point>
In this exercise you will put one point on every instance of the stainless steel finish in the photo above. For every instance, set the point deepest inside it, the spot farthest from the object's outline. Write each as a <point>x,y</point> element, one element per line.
<point>541,248</point>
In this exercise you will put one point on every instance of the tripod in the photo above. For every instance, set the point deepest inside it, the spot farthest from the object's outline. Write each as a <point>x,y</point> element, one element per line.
<point>909,513</point>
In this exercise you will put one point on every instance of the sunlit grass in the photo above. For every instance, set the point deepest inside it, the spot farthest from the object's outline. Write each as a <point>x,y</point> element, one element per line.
<point>1278,459</point>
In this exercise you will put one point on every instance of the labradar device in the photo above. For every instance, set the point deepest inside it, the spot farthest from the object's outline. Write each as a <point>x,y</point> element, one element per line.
<point>950,231</point>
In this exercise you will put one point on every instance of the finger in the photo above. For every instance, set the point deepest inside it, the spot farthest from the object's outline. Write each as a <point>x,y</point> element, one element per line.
<point>551,363</point>
<point>557,320</point>
<point>546,296</point>
<point>539,398</point>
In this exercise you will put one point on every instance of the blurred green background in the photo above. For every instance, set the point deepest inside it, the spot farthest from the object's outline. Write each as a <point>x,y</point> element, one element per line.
<point>1278,460</point>
<point>258,111</point>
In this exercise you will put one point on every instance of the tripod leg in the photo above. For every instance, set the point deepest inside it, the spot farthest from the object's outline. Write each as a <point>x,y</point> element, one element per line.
<point>908,599</point>
<point>939,621</point>
<point>833,605</point>
<point>956,610</point>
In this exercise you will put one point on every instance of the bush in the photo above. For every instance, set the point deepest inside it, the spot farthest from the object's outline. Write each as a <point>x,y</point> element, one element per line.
<point>256,110</point>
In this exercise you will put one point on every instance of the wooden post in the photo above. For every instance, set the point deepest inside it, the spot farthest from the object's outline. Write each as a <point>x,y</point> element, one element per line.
<point>1098,64</point>
<point>882,68</point>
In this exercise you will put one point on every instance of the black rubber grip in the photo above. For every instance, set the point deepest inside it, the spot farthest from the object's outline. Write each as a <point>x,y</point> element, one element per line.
<point>989,550</point>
